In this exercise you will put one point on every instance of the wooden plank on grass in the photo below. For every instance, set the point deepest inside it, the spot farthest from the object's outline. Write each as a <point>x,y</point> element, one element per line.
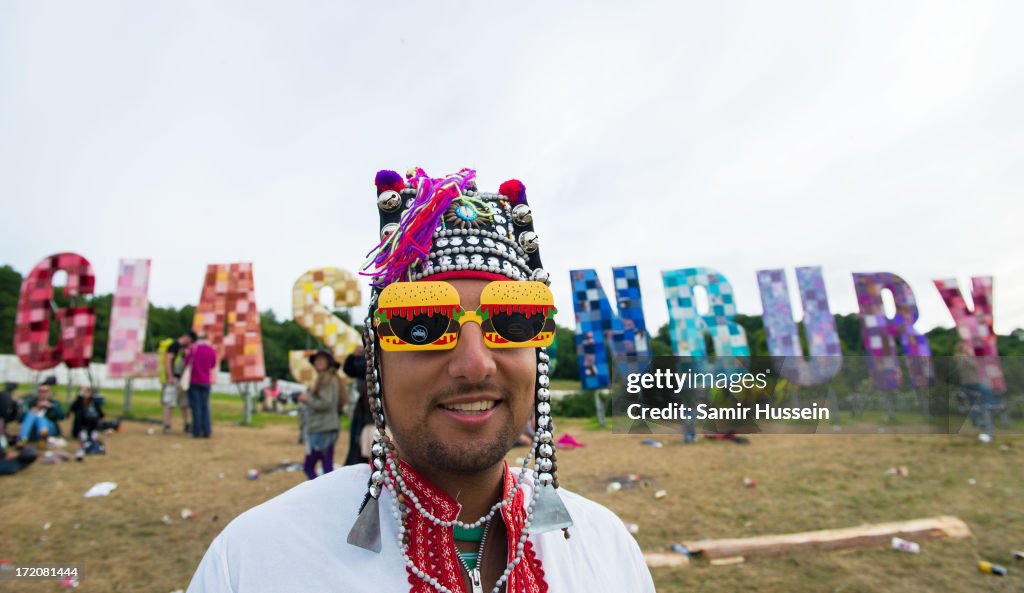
<point>656,559</point>
<point>863,536</point>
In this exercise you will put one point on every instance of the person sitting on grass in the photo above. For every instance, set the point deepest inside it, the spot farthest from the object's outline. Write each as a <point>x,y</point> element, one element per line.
<point>13,461</point>
<point>43,413</point>
<point>87,413</point>
<point>8,411</point>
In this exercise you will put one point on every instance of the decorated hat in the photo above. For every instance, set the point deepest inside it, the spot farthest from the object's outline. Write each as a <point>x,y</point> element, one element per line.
<point>442,229</point>
<point>446,228</point>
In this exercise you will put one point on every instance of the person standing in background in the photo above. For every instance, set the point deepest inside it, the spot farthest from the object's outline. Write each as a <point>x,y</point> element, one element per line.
<point>175,389</point>
<point>355,367</point>
<point>202,359</point>
<point>269,395</point>
<point>322,404</point>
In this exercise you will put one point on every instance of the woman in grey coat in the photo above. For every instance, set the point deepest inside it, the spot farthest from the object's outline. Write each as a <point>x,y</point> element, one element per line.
<point>322,405</point>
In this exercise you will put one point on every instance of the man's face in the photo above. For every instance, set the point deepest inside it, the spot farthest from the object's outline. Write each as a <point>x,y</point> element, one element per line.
<point>426,396</point>
<point>185,341</point>
<point>44,393</point>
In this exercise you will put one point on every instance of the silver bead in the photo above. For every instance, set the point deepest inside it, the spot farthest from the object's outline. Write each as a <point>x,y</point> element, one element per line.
<point>389,201</point>
<point>374,491</point>
<point>545,479</point>
<point>441,243</point>
<point>521,215</point>
<point>540,275</point>
<point>544,464</point>
<point>456,241</point>
<point>545,450</point>
<point>542,368</point>
<point>377,449</point>
<point>544,422</point>
<point>544,436</point>
<point>544,408</point>
<point>378,463</point>
<point>543,380</point>
<point>388,229</point>
<point>543,356</point>
<point>377,477</point>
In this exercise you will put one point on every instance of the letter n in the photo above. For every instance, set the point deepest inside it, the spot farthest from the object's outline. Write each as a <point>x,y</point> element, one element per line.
<point>597,325</point>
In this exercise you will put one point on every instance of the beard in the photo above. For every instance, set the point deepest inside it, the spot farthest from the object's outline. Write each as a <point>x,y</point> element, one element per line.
<point>464,458</point>
<point>422,447</point>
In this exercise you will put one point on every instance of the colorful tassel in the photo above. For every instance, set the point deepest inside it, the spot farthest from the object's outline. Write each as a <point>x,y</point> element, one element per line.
<point>395,255</point>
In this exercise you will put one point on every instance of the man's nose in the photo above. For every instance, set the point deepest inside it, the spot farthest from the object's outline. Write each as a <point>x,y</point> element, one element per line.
<point>471,359</point>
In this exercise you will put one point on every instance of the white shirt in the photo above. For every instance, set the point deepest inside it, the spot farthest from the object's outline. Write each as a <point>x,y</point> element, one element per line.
<point>296,542</point>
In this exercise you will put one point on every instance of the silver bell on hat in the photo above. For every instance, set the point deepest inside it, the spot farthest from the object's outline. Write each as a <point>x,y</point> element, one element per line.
<point>389,201</point>
<point>529,241</point>
<point>521,215</point>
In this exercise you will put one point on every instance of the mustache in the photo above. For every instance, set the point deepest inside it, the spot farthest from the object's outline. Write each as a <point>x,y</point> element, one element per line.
<point>468,388</point>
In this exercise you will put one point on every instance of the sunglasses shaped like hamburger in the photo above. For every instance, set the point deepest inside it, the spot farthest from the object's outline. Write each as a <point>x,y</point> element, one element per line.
<point>420,316</point>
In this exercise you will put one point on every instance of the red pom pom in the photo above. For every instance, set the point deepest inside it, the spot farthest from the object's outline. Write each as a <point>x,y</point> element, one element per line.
<point>514,190</point>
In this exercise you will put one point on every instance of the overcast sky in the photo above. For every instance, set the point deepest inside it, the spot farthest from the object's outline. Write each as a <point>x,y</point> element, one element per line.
<point>860,136</point>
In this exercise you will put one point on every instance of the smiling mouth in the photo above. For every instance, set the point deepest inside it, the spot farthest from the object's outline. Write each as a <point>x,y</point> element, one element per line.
<point>471,408</point>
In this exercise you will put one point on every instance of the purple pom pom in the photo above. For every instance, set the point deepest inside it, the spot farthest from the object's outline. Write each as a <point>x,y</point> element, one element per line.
<point>387,179</point>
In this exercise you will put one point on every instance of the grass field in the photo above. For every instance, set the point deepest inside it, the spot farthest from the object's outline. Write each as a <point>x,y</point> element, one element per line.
<point>803,483</point>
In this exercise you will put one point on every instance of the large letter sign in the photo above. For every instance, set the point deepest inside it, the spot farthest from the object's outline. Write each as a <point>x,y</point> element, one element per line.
<point>333,332</point>
<point>819,326</point>
<point>976,327</point>
<point>597,324</point>
<point>128,317</point>
<point>879,332</point>
<point>229,299</point>
<point>77,324</point>
<point>687,325</point>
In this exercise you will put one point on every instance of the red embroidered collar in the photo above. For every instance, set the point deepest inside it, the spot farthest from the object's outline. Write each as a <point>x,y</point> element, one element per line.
<point>432,547</point>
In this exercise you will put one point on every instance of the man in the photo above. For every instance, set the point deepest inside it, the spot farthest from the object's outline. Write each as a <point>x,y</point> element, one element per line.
<point>202,359</point>
<point>172,366</point>
<point>42,414</point>
<point>459,315</point>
